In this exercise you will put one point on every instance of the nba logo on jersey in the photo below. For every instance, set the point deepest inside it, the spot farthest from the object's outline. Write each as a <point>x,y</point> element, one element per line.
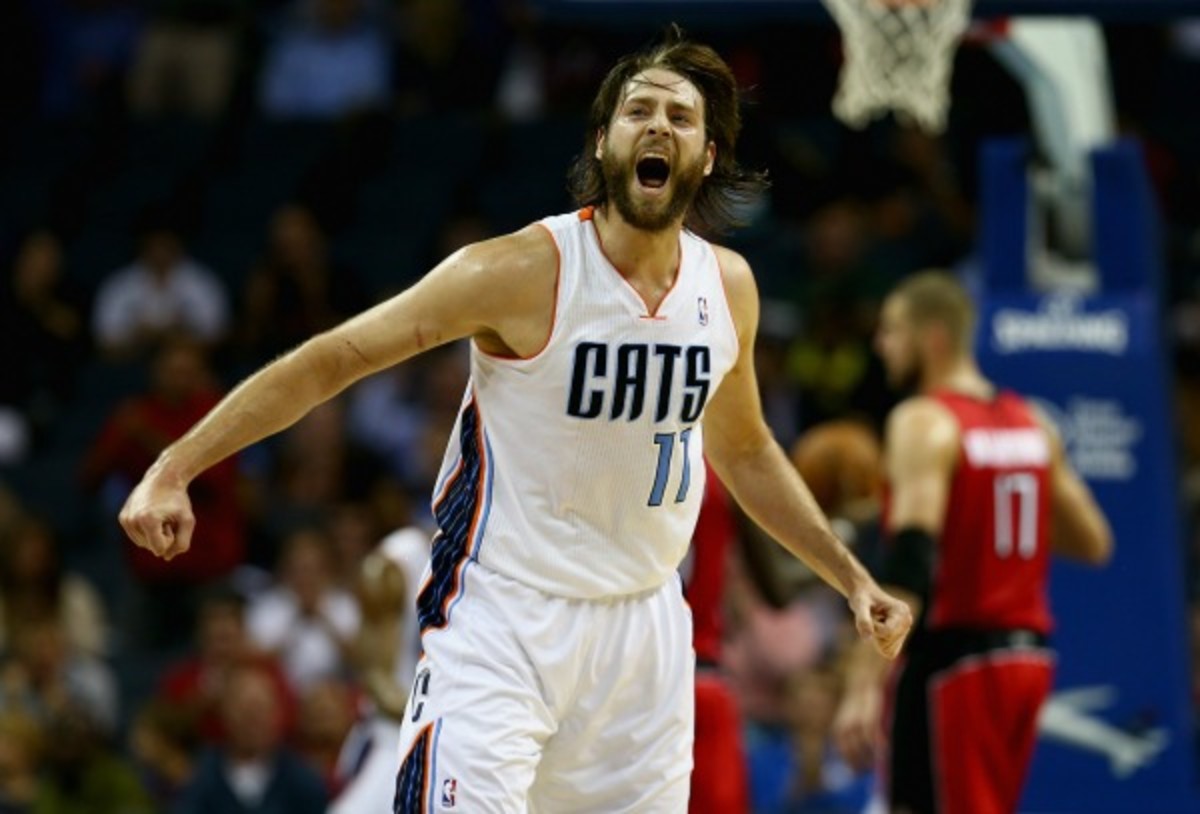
<point>449,792</point>
<point>702,310</point>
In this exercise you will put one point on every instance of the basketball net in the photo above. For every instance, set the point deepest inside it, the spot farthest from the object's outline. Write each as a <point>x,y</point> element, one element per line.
<point>898,57</point>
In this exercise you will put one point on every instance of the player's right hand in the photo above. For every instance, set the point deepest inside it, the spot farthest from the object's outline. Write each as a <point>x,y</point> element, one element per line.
<point>158,517</point>
<point>881,617</point>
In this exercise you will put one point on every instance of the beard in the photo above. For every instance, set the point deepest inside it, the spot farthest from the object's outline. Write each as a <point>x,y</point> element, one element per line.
<point>651,215</point>
<point>906,379</point>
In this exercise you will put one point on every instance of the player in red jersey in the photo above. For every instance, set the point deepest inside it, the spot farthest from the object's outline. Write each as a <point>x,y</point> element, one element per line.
<point>719,784</point>
<point>979,493</point>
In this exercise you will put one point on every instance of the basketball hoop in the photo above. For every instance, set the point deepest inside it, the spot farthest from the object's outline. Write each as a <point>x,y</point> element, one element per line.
<point>898,57</point>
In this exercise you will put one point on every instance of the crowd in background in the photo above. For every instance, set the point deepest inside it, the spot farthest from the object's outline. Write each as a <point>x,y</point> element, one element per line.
<point>190,187</point>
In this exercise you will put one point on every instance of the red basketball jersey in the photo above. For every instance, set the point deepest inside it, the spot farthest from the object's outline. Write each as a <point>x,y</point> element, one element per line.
<point>704,568</point>
<point>993,557</point>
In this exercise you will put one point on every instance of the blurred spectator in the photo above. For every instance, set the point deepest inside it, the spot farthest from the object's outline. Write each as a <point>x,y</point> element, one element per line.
<point>796,770</point>
<point>20,762</point>
<point>188,58</point>
<point>316,466</point>
<point>386,652</point>
<point>35,585</point>
<point>836,243</point>
<point>779,324</point>
<point>576,60</point>
<point>943,220</point>
<point>306,620</point>
<point>16,438</point>
<point>328,709</point>
<point>42,317</point>
<point>831,360</point>
<point>832,363</point>
<point>163,743</point>
<point>353,534</point>
<point>84,774</point>
<point>296,291</point>
<point>195,684</point>
<point>182,390</point>
<point>522,87</point>
<point>440,65</point>
<point>253,772</point>
<point>331,58</point>
<point>163,292</point>
<point>11,510</point>
<point>767,645</point>
<point>87,46</point>
<point>404,413</point>
<point>44,677</point>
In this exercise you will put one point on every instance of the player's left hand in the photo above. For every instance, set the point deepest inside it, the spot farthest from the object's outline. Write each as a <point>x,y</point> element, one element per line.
<point>857,727</point>
<point>881,617</point>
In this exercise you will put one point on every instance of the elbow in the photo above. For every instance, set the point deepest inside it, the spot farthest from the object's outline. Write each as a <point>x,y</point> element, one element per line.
<point>1101,550</point>
<point>1093,547</point>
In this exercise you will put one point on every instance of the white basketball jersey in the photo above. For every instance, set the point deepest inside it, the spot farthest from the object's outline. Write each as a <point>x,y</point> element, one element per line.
<point>579,471</point>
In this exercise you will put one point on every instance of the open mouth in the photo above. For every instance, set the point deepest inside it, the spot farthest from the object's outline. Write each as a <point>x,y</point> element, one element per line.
<point>653,171</point>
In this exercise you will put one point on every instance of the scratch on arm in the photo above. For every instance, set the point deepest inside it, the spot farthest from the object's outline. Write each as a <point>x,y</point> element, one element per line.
<point>357,352</point>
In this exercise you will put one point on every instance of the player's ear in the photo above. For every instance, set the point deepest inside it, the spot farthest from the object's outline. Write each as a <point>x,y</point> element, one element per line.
<point>599,143</point>
<point>942,338</point>
<point>711,152</point>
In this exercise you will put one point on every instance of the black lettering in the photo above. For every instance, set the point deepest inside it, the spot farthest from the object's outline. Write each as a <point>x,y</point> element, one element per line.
<point>630,380</point>
<point>591,359</point>
<point>698,365</point>
<point>669,354</point>
<point>420,692</point>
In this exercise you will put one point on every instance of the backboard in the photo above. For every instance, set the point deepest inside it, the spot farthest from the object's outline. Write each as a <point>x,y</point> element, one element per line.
<point>733,12</point>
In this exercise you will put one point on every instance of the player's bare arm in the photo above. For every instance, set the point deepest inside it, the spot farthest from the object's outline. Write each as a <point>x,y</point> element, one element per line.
<point>501,292</point>
<point>921,443</point>
<point>1079,529</point>
<point>742,450</point>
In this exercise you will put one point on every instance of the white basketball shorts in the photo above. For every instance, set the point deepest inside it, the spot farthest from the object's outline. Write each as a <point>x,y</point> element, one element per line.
<point>527,702</point>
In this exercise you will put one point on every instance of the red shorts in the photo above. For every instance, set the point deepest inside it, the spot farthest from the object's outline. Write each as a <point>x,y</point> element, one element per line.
<point>963,733</point>
<point>719,775</point>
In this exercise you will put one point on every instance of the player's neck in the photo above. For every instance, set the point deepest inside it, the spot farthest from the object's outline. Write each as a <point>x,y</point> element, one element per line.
<point>957,375</point>
<point>640,256</point>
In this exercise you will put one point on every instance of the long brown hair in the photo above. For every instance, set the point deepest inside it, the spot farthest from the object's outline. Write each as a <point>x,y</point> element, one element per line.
<point>714,210</point>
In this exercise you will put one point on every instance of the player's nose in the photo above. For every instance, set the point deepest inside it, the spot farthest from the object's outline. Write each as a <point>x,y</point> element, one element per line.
<point>660,122</point>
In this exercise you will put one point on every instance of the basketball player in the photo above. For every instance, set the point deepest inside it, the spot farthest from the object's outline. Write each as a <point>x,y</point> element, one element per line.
<point>611,348</point>
<point>385,654</point>
<point>979,492</point>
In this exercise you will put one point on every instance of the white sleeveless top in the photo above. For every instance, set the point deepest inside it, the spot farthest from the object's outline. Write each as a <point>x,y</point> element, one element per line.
<point>579,471</point>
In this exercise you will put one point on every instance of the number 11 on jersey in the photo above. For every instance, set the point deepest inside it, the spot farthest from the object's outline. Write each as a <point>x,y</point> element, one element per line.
<point>666,451</point>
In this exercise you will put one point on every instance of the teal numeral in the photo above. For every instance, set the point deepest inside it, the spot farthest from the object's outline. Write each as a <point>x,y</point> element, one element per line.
<point>665,441</point>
